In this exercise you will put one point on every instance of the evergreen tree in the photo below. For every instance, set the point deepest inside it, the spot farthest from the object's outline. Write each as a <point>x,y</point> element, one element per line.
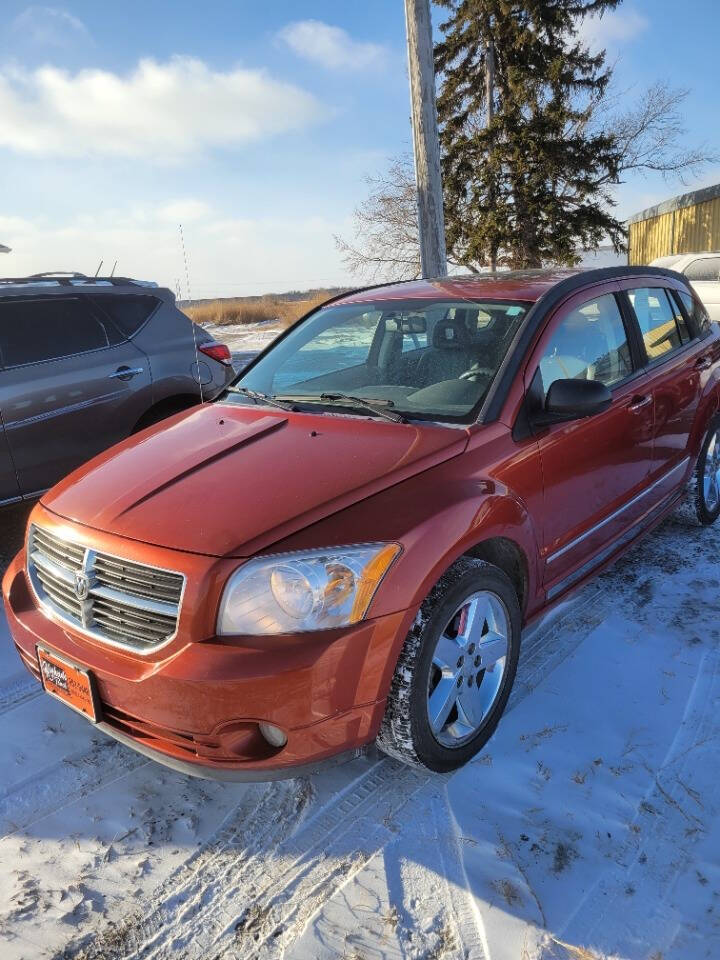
<point>532,185</point>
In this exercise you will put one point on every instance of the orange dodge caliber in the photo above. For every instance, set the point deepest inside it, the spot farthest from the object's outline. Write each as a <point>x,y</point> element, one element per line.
<point>343,548</point>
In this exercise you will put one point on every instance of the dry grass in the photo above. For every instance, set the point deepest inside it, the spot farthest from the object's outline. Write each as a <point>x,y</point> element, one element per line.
<point>577,952</point>
<point>257,310</point>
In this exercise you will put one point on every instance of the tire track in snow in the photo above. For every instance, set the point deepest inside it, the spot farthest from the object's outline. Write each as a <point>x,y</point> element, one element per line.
<point>466,919</point>
<point>17,692</point>
<point>263,875</point>
<point>434,910</point>
<point>264,815</point>
<point>545,646</point>
<point>194,908</point>
<point>63,782</point>
<point>226,868</point>
<point>317,863</point>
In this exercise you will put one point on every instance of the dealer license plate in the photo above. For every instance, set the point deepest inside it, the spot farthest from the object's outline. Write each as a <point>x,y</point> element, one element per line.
<point>68,682</point>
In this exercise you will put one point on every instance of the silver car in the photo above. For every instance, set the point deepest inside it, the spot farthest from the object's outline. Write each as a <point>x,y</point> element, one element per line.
<point>703,272</point>
<point>85,362</point>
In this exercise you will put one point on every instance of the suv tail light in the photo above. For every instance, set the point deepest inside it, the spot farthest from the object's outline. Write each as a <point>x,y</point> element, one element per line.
<point>216,350</point>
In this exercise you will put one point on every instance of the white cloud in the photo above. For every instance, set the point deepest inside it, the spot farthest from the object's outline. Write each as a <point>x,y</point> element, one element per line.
<point>331,47</point>
<point>613,29</point>
<point>160,110</point>
<point>49,26</point>
<point>184,211</point>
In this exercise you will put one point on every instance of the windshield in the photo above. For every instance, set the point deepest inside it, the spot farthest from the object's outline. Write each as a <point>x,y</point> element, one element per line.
<point>426,360</point>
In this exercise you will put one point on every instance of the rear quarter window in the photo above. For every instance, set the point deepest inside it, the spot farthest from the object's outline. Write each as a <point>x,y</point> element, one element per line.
<point>128,312</point>
<point>699,316</point>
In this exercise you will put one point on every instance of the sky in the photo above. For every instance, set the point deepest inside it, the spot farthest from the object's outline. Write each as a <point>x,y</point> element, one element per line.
<point>253,125</point>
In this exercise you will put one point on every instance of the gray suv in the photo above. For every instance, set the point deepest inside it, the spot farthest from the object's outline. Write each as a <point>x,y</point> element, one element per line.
<point>85,362</point>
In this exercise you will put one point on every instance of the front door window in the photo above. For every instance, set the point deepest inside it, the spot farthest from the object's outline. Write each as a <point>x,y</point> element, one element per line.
<point>589,344</point>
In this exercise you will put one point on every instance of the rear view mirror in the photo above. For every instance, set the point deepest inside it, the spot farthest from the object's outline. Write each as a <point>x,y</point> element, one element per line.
<point>412,324</point>
<point>574,399</point>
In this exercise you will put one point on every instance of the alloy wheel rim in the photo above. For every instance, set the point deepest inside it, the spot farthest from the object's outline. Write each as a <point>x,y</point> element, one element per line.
<point>711,473</point>
<point>467,670</point>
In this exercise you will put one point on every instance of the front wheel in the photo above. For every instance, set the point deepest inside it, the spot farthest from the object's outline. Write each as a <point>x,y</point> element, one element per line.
<point>707,476</point>
<point>456,669</point>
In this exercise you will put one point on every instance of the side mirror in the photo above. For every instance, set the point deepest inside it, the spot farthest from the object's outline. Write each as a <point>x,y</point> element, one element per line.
<point>574,399</point>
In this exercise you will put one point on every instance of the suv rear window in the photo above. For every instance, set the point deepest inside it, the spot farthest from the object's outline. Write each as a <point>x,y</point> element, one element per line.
<point>35,330</point>
<point>128,312</point>
<point>704,268</point>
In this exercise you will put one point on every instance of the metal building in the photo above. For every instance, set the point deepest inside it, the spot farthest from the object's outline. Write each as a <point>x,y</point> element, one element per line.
<point>689,223</point>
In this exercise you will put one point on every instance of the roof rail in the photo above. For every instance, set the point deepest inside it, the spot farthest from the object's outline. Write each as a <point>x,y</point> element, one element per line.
<point>56,273</point>
<point>73,279</point>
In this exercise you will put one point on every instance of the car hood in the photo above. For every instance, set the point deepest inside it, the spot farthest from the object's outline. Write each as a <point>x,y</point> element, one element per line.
<point>227,480</point>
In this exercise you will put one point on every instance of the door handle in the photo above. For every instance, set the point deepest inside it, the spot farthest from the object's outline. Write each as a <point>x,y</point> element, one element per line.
<point>704,362</point>
<point>125,373</point>
<point>638,402</point>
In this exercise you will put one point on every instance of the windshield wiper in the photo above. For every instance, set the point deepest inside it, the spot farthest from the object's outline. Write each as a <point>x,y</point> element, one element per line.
<point>377,405</point>
<point>258,395</point>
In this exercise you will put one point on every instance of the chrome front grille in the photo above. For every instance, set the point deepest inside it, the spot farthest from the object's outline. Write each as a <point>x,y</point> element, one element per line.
<point>119,601</point>
<point>67,554</point>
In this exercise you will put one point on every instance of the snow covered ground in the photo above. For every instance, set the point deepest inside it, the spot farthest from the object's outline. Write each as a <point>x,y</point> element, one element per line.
<point>588,828</point>
<point>245,336</point>
<point>245,340</point>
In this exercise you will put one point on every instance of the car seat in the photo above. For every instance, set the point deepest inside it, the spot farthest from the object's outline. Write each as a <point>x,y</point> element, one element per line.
<point>451,354</point>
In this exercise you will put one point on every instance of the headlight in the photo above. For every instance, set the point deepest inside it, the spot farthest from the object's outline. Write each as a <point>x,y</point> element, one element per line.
<point>293,592</point>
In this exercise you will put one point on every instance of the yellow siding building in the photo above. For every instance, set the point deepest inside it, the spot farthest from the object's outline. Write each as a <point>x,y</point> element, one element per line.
<point>686,224</point>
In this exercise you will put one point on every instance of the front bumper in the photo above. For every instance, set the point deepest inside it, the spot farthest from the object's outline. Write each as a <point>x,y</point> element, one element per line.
<point>197,709</point>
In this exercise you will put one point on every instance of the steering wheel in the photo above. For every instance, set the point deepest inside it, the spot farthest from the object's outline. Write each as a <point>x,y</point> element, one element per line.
<point>475,373</point>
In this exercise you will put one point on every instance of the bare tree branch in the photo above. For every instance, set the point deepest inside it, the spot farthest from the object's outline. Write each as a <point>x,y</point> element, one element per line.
<point>651,135</point>
<point>385,244</point>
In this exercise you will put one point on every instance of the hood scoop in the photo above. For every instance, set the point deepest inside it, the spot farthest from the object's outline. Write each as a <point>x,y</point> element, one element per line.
<point>228,481</point>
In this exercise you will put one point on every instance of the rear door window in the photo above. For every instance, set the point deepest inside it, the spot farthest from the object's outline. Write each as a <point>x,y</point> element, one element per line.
<point>656,318</point>
<point>35,330</point>
<point>127,312</point>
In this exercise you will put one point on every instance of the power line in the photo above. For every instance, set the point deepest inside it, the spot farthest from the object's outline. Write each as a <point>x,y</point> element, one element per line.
<point>185,260</point>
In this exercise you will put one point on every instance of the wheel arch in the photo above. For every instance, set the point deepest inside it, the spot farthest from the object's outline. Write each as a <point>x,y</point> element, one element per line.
<point>498,530</point>
<point>508,556</point>
<point>175,403</point>
<point>707,409</point>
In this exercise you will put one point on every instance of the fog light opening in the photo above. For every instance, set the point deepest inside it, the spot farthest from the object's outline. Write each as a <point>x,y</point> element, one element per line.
<point>274,735</point>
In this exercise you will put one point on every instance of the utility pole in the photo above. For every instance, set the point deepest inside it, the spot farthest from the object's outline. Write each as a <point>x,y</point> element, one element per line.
<point>426,145</point>
<point>489,111</point>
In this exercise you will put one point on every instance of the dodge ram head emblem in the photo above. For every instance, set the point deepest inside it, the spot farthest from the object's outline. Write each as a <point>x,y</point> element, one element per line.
<point>82,586</point>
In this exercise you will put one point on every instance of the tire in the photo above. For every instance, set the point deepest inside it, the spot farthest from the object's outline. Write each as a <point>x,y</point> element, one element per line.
<point>706,480</point>
<point>469,598</point>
